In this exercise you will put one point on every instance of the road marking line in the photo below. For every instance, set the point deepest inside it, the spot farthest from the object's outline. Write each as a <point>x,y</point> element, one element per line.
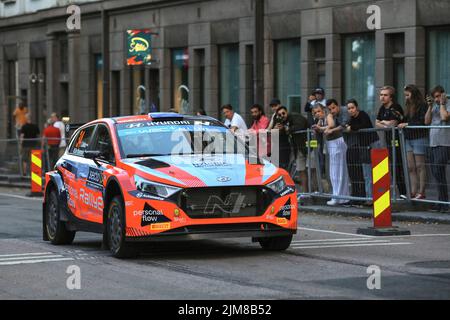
<point>28,257</point>
<point>335,232</point>
<point>352,245</point>
<point>422,235</point>
<point>331,240</point>
<point>20,197</point>
<point>25,254</point>
<point>8,263</point>
<point>343,242</point>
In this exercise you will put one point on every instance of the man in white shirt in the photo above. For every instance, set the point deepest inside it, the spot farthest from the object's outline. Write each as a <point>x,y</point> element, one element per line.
<point>62,129</point>
<point>233,120</point>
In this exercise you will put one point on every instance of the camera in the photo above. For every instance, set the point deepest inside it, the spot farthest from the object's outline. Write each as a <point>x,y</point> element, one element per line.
<point>278,120</point>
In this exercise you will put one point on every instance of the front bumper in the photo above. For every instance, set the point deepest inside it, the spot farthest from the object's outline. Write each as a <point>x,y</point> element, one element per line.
<point>218,231</point>
<point>148,219</point>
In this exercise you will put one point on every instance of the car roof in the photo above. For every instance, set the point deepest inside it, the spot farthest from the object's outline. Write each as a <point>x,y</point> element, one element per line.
<point>155,116</point>
<point>158,116</point>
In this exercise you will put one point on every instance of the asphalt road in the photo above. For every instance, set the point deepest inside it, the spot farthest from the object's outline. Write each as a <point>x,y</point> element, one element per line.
<point>326,261</point>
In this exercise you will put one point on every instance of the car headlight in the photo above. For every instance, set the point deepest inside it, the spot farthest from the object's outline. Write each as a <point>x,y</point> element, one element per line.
<point>278,185</point>
<point>158,189</point>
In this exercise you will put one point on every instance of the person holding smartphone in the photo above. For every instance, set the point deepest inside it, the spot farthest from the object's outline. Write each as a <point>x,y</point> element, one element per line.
<point>438,114</point>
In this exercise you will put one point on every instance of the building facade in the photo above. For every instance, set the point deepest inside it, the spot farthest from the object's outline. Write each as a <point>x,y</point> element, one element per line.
<point>207,53</point>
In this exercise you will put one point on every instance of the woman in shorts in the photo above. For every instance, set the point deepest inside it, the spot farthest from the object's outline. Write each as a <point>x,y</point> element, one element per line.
<point>416,140</point>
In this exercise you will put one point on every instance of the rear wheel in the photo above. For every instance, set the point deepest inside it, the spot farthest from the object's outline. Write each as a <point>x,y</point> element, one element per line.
<point>56,229</point>
<point>275,243</point>
<point>116,230</point>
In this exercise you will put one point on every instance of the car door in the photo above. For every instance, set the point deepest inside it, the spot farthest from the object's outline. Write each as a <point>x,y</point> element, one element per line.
<point>92,192</point>
<point>74,169</point>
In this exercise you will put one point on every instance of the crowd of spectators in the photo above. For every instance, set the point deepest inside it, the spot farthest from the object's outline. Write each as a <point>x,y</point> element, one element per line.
<point>28,135</point>
<point>344,136</point>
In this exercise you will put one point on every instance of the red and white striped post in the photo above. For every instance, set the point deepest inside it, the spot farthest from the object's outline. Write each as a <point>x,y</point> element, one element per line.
<point>381,186</point>
<point>36,172</point>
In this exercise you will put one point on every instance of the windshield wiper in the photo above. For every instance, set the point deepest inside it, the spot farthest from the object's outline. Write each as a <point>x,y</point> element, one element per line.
<point>144,155</point>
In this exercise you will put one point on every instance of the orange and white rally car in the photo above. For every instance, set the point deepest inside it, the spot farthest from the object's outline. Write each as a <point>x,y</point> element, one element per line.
<point>166,176</point>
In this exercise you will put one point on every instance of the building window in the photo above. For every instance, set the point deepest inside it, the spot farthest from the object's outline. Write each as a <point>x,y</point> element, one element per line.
<point>438,59</point>
<point>138,90</point>
<point>229,76</point>
<point>115,93</point>
<point>12,71</point>
<point>64,54</point>
<point>359,72</point>
<point>396,50</point>
<point>318,58</point>
<point>180,88</point>
<point>287,73</point>
<point>98,60</point>
<point>249,70</point>
<point>199,79</point>
<point>399,79</point>
<point>153,95</point>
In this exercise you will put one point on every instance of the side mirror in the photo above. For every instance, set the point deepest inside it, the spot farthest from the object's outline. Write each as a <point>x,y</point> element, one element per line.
<point>92,154</point>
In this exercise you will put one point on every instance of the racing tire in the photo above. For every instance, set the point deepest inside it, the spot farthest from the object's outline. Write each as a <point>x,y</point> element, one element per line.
<point>116,230</point>
<point>275,243</point>
<point>56,230</point>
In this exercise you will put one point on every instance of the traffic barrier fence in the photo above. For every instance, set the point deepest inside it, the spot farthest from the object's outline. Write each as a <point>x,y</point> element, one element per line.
<point>418,164</point>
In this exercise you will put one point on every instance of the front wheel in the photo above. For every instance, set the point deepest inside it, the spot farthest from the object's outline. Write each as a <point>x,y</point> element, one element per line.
<point>116,230</point>
<point>56,229</point>
<point>275,243</point>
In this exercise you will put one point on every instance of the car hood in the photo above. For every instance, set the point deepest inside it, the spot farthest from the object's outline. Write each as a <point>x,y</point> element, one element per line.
<point>210,170</point>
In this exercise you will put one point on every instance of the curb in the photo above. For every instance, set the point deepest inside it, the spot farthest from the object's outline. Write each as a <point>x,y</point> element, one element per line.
<point>15,185</point>
<point>421,217</point>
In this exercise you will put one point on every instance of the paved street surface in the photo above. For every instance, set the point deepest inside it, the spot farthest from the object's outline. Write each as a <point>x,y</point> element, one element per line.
<point>326,261</point>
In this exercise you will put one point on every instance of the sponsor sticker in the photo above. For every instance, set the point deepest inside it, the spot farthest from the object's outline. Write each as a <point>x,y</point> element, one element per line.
<point>95,179</point>
<point>286,210</point>
<point>160,226</point>
<point>151,216</point>
<point>287,191</point>
<point>142,195</point>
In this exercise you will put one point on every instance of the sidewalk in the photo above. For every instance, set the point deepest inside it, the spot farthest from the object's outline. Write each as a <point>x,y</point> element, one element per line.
<point>14,181</point>
<point>397,215</point>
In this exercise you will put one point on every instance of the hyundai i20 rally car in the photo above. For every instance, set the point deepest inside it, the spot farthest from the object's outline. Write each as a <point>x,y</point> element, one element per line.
<point>165,176</point>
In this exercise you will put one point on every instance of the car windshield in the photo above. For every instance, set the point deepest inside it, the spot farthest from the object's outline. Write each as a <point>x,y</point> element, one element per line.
<point>143,139</point>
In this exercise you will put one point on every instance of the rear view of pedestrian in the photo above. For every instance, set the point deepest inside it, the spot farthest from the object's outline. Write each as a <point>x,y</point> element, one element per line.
<point>29,133</point>
<point>51,140</point>
<point>62,129</point>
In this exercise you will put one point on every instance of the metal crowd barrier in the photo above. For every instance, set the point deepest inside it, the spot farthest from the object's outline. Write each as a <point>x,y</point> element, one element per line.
<point>12,152</point>
<point>400,142</point>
